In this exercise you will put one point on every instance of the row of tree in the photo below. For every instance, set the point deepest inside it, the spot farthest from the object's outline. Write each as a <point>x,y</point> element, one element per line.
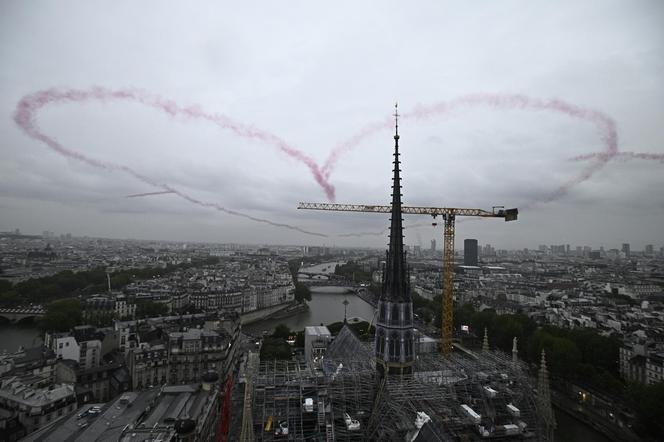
<point>302,292</point>
<point>64,314</point>
<point>66,284</point>
<point>352,272</point>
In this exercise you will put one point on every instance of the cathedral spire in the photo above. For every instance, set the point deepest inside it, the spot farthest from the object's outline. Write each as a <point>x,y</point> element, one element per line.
<point>395,339</point>
<point>396,282</point>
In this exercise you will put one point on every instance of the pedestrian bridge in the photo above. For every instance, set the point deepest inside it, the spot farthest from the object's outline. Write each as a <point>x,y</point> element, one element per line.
<point>19,314</point>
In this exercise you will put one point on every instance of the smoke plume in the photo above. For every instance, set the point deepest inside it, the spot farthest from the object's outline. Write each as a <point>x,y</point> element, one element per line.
<point>25,117</point>
<point>604,124</point>
<point>29,105</point>
<point>140,195</point>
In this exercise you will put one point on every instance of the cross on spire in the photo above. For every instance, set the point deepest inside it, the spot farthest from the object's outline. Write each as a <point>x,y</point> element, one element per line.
<point>396,121</point>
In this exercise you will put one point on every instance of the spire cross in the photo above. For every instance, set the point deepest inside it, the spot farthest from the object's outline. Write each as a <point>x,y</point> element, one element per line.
<point>396,118</point>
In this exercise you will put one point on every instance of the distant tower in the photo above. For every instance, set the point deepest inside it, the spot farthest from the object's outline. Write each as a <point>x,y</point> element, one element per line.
<point>395,340</point>
<point>544,400</point>
<point>485,342</point>
<point>470,252</point>
<point>433,245</point>
<point>625,249</point>
<point>515,352</point>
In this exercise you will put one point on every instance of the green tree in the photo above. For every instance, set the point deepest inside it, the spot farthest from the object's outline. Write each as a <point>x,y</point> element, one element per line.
<point>275,348</point>
<point>302,292</point>
<point>281,331</point>
<point>5,285</point>
<point>62,315</point>
<point>648,402</point>
<point>150,309</point>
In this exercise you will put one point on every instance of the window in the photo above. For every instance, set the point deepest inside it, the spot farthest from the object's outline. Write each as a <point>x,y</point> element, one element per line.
<point>409,345</point>
<point>395,314</point>
<point>395,347</point>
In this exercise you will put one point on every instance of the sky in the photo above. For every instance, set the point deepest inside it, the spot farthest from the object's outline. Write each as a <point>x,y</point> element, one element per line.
<point>255,106</point>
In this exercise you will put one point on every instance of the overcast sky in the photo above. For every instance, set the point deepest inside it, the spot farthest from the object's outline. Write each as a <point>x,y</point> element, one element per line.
<point>314,75</point>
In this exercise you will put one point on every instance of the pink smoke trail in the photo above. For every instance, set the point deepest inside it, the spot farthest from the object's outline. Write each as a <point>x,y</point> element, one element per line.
<point>25,118</point>
<point>604,124</point>
<point>31,104</point>
<point>140,195</point>
<point>622,156</point>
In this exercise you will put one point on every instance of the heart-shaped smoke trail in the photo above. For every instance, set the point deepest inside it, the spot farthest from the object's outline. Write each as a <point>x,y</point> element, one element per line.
<point>503,102</point>
<point>28,106</point>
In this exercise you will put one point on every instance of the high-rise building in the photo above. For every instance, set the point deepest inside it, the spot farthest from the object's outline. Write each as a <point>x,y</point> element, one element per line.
<point>395,340</point>
<point>433,245</point>
<point>650,250</point>
<point>625,249</point>
<point>470,252</point>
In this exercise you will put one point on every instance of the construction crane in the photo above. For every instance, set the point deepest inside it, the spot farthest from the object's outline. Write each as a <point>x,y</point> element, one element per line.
<point>449,215</point>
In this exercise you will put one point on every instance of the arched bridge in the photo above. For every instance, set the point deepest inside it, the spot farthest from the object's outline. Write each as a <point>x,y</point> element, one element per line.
<point>18,314</point>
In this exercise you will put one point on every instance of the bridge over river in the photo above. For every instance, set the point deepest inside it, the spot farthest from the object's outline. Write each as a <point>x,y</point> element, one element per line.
<point>18,314</point>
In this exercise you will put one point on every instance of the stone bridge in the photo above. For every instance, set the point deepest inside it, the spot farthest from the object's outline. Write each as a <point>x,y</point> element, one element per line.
<point>18,314</point>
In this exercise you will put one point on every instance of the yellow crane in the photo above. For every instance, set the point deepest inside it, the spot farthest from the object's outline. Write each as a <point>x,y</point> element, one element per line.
<point>449,215</point>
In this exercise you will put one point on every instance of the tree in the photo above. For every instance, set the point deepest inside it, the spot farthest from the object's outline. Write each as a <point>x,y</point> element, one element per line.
<point>5,285</point>
<point>62,315</point>
<point>275,348</point>
<point>281,331</point>
<point>150,309</point>
<point>648,401</point>
<point>302,292</point>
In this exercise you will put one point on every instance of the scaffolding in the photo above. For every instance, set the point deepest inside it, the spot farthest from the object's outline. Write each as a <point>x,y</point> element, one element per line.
<point>465,396</point>
<point>279,392</point>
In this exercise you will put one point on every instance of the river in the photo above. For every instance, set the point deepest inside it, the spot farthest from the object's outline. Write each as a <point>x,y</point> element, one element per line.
<point>13,336</point>
<point>326,306</point>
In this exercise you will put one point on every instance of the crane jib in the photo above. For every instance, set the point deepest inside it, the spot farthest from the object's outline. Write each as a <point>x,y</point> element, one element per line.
<point>509,214</point>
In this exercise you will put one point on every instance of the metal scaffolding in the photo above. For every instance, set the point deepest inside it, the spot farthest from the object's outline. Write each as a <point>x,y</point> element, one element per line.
<point>465,396</point>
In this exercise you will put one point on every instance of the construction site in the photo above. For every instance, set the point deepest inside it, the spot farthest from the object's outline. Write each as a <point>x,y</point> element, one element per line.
<point>385,388</point>
<point>463,396</point>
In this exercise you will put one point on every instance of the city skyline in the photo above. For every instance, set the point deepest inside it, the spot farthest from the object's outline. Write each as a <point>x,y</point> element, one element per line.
<point>314,77</point>
<point>458,245</point>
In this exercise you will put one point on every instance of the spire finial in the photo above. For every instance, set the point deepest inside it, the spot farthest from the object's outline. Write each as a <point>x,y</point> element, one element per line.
<point>396,121</point>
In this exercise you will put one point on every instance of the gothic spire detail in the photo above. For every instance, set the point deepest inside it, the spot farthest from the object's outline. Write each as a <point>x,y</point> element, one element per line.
<point>485,342</point>
<point>396,287</point>
<point>515,351</point>
<point>544,399</point>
